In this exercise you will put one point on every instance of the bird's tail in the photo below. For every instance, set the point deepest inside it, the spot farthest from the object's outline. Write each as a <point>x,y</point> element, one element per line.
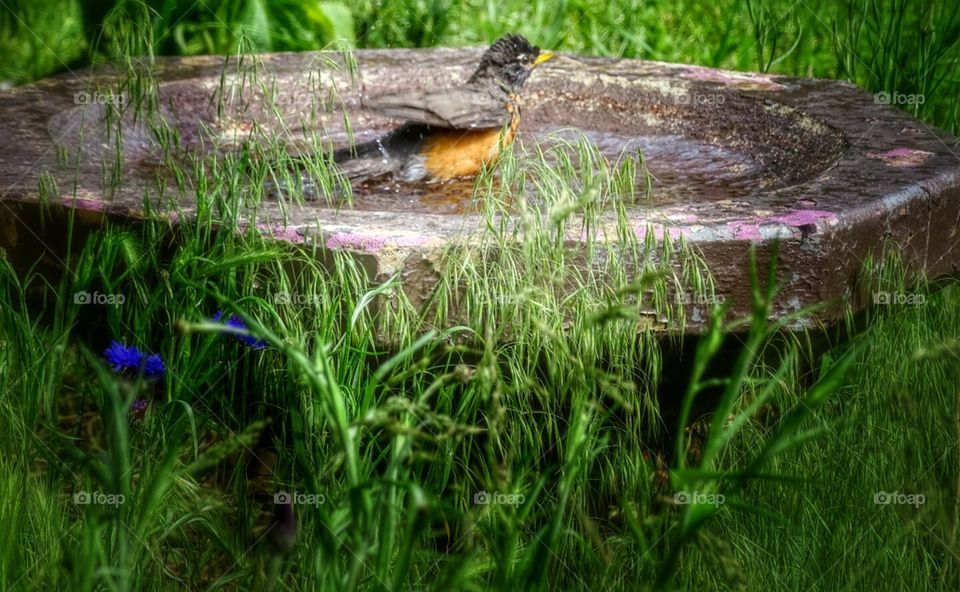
<point>365,161</point>
<point>331,176</point>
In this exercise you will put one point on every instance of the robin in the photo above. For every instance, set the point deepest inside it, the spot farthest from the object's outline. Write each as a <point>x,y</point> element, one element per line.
<point>449,133</point>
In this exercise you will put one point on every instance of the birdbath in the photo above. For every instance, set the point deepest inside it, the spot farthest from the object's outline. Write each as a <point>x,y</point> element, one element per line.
<point>818,167</point>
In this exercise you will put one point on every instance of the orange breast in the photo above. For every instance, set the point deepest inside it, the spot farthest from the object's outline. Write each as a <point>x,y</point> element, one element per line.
<point>458,153</point>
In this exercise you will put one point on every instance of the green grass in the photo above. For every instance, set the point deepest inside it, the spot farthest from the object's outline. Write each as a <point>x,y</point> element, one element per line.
<point>883,45</point>
<point>531,375</point>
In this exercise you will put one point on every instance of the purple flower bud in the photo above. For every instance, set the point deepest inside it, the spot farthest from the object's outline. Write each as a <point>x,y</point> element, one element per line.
<point>138,409</point>
<point>282,536</point>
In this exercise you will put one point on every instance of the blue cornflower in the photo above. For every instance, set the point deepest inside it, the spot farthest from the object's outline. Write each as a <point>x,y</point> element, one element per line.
<point>122,356</point>
<point>129,358</point>
<point>153,366</point>
<point>235,322</point>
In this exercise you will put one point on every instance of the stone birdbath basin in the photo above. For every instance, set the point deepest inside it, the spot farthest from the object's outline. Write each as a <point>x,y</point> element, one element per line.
<point>820,167</point>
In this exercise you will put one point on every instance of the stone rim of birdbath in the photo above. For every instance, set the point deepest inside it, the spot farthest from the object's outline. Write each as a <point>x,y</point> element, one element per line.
<point>851,169</point>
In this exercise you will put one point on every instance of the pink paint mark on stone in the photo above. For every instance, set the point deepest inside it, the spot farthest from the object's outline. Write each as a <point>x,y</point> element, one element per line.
<point>745,230</point>
<point>281,232</point>
<point>749,229</point>
<point>371,243</point>
<point>742,80</point>
<point>685,218</point>
<point>802,217</point>
<point>645,228</point>
<point>901,157</point>
<point>92,205</point>
<point>661,230</point>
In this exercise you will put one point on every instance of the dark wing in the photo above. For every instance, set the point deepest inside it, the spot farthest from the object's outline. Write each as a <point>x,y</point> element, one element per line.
<point>461,108</point>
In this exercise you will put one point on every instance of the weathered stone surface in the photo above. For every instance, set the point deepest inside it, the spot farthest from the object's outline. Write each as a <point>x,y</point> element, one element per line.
<point>740,159</point>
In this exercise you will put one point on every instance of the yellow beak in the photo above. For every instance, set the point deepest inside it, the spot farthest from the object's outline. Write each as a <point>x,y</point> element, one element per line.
<point>544,57</point>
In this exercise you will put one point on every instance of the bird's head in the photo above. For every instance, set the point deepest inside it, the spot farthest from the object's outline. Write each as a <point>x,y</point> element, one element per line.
<point>509,62</point>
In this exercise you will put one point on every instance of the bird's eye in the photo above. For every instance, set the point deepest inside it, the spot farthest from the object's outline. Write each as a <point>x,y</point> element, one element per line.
<point>524,58</point>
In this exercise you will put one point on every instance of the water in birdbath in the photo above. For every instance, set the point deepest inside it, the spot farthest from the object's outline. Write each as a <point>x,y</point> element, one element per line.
<point>680,169</point>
